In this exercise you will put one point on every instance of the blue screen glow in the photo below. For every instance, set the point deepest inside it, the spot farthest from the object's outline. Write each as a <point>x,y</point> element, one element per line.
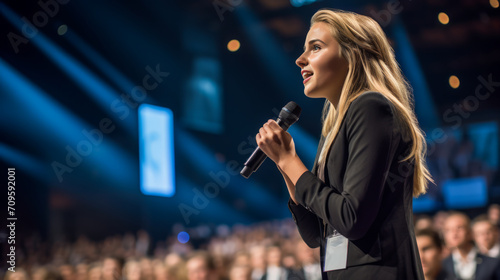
<point>465,193</point>
<point>156,150</point>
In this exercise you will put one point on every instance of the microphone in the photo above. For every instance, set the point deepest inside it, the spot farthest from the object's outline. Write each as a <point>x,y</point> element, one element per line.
<point>288,116</point>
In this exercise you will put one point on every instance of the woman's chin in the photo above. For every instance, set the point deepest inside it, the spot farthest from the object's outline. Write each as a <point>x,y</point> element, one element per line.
<point>311,94</point>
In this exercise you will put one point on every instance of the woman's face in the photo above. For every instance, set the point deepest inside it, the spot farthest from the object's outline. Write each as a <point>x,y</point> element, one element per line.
<point>323,68</point>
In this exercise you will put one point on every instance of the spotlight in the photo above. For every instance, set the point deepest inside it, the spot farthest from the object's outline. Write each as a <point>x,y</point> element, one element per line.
<point>233,45</point>
<point>454,81</point>
<point>494,3</point>
<point>443,18</point>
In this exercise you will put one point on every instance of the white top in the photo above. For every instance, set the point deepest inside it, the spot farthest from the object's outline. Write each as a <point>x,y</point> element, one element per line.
<point>276,273</point>
<point>312,271</point>
<point>465,268</point>
<point>494,252</point>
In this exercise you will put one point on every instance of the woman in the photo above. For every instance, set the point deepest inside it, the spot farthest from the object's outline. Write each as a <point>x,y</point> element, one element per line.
<point>357,201</point>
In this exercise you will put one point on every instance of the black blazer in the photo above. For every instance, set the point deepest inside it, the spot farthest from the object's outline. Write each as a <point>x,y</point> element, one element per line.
<point>486,269</point>
<point>366,196</point>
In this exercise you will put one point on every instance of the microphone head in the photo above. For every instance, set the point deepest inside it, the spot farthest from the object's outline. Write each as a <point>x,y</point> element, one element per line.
<point>290,113</point>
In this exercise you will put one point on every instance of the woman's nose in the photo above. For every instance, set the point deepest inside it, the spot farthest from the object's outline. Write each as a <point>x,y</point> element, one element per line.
<point>301,61</point>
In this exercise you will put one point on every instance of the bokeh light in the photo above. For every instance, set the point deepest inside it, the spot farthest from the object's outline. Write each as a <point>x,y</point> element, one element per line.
<point>494,3</point>
<point>233,45</point>
<point>62,29</point>
<point>443,18</point>
<point>183,237</point>
<point>454,81</point>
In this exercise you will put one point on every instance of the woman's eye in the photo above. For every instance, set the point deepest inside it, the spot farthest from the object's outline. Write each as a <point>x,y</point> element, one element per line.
<point>316,47</point>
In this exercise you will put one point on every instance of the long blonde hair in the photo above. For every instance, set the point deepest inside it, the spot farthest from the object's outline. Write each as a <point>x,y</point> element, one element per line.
<point>372,67</point>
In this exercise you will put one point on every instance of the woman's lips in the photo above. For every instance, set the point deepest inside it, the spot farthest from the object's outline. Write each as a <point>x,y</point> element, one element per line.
<point>308,78</point>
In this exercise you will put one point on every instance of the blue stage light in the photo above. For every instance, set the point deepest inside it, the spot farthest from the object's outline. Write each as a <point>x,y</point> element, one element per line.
<point>57,128</point>
<point>425,108</point>
<point>100,91</point>
<point>298,3</point>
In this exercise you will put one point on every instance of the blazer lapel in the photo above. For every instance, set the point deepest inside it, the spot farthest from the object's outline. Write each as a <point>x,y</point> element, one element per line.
<point>479,263</point>
<point>449,268</point>
<point>320,146</point>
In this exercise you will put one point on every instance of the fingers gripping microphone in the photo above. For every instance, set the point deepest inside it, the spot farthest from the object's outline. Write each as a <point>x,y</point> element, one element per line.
<point>288,116</point>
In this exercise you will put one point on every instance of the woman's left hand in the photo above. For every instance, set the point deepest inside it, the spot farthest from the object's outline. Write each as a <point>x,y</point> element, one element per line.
<point>275,142</point>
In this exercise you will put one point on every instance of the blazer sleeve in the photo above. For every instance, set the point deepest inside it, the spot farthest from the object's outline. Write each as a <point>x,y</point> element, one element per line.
<point>307,224</point>
<point>352,211</point>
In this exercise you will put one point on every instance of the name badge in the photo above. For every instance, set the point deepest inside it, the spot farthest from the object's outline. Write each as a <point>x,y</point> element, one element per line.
<point>336,252</point>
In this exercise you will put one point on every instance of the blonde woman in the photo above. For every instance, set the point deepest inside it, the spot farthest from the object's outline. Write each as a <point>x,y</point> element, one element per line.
<point>356,203</point>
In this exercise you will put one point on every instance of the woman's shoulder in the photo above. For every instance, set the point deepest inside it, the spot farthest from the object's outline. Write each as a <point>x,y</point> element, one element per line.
<point>371,107</point>
<point>371,102</point>
<point>369,97</point>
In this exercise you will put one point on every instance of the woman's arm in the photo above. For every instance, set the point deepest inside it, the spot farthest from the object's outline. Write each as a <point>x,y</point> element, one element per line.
<point>307,222</point>
<point>289,184</point>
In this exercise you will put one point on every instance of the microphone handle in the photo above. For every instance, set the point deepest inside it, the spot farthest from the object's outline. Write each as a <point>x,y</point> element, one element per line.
<point>258,156</point>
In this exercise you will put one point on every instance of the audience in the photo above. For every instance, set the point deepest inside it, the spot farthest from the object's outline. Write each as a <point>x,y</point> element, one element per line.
<point>465,262</point>
<point>266,251</point>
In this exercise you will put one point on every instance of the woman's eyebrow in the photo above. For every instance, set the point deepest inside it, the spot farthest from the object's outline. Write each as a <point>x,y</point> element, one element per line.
<point>312,41</point>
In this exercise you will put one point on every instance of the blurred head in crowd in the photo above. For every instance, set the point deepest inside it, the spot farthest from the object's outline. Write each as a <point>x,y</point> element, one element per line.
<point>239,272</point>
<point>457,232</point>
<point>19,274</point>
<point>52,275</point>
<point>147,271</point>
<point>82,270</point>
<point>258,258</point>
<point>161,272</point>
<point>95,271</point>
<point>241,258</point>
<point>290,261</point>
<point>494,214</point>
<point>438,220</point>
<point>485,234</point>
<point>221,266</point>
<point>305,255</point>
<point>132,270</point>
<point>423,222</point>
<point>176,266</point>
<point>173,259</point>
<point>67,271</point>
<point>274,256</point>
<point>39,273</point>
<point>430,249</point>
<point>112,268</point>
<point>200,266</point>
